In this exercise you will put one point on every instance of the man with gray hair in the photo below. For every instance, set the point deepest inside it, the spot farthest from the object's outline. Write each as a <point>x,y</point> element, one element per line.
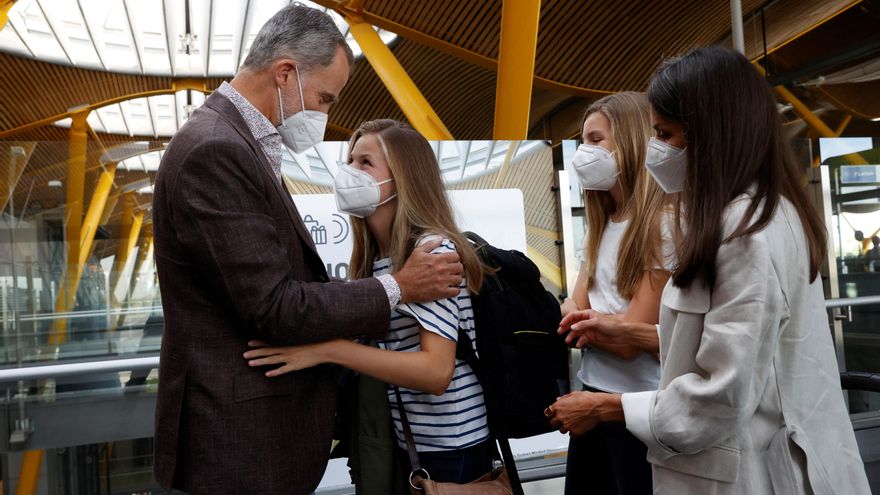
<point>236,264</point>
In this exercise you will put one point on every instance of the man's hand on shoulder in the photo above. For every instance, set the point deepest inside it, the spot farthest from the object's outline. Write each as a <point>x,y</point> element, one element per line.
<point>427,277</point>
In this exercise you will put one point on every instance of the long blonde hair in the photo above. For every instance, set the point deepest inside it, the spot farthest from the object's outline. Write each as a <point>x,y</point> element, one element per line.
<point>422,205</point>
<point>629,115</point>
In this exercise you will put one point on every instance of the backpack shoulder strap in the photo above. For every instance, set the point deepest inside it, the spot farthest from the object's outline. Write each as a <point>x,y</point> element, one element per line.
<point>475,238</point>
<point>465,352</point>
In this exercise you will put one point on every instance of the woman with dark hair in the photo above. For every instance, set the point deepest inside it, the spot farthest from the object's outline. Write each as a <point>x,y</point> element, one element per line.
<point>749,398</point>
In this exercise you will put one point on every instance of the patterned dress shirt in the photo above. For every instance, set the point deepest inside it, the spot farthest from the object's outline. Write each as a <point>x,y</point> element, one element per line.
<point>263,130</point>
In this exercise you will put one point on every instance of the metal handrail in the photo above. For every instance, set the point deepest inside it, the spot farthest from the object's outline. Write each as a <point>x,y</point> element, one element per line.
<point>151,362</point>
<point>73,369</point>
<point>859,380</point>
<point>852,301</point>
<point>90,313</point>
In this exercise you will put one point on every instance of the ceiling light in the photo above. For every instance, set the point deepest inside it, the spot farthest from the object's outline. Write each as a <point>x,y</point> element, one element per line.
<point>188,43</point>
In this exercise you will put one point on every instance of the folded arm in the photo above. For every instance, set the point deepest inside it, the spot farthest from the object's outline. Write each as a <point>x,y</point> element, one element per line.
<point>625,335</point>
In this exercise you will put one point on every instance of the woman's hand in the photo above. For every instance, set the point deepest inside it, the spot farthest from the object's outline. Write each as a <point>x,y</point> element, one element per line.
<point>291,358</point>
<point>579,412</point>
<point>591,327</point>
<point>568,306</point>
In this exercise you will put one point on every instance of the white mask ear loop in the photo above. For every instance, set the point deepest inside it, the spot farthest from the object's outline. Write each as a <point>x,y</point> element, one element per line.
<point>300,88</point>
<point>389,198</point>
<point>281,101</point>
<point>386,181</point>
<point>281,108</point>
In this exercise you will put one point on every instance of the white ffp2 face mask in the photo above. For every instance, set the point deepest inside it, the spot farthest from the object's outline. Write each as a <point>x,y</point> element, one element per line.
<point>667,164</point>
<point>303,129</point>
<point>596,168</point>
<point>357,192</point>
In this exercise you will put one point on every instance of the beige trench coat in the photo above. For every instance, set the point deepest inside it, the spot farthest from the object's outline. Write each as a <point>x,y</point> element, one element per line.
<point>749,399</point>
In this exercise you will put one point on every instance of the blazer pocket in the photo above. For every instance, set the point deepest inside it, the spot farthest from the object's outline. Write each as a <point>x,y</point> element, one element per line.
<point>254,385</point>
<point>687,300</point>
<point>787,459</point>
<point>719,463</point>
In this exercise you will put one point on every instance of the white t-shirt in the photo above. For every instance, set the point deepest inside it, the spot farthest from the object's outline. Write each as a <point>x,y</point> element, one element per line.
<point>602,370</point>
<point>456,419</point>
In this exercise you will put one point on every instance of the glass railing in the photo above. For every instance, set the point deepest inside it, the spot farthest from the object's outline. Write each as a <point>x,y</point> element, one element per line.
<point>87,357</point>
<point>80,310</point>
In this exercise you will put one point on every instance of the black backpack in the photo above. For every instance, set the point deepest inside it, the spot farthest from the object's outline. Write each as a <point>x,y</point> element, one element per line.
<point>523,363</point>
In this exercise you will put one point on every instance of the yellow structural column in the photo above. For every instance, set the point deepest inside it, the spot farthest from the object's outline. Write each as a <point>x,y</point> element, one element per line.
<point>408,97</point>
<point>123,241</point>
<point>812,121</point>
<point>804,112</point>
<point>30,472</point>
<point>505,166</point>
<point>130,231</point>
<point>75,190</point>
<point>548,269</point>
<point>516,67</point>
<point>127,242</point>
<point>5,5</point>
<point>95,212</point>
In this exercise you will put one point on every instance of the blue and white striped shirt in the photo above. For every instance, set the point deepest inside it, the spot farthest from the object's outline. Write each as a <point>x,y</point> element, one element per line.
<point>456,419</point>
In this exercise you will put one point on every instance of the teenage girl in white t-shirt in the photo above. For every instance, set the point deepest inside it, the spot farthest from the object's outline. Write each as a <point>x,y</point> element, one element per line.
<point>393,190</point>
<point>626,267</point>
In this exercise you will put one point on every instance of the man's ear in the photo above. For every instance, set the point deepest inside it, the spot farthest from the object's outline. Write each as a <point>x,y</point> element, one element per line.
<point>284,70</point>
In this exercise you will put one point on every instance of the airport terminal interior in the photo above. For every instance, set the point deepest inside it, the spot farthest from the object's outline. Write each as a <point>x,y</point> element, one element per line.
<point>91,92</point>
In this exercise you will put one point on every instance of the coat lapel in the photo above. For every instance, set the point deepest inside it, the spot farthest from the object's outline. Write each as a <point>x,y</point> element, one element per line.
<point>228,111</point>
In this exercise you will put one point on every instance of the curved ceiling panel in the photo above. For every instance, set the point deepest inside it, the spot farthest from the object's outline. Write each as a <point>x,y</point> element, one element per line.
<point>190,38</point>
<point>602,45</point>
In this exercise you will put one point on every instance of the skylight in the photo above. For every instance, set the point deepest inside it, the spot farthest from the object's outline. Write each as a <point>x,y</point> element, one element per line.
<point>459,160</point>
<point>157,116</point>
<point>181,38</point>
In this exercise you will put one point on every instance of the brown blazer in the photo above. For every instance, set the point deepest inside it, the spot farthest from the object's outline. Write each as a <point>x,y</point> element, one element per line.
<point>236,263</point>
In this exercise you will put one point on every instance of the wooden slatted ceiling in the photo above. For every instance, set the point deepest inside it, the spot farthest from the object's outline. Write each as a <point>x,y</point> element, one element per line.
<point>31,90</point>
<point>786,19</point>
<point>462,94</point>
<point>861,23</point>
<point>613,46</point>
<point>471,24</point>
<point>605,45</point>
<point>301,187</point>
<point>861,27</point>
